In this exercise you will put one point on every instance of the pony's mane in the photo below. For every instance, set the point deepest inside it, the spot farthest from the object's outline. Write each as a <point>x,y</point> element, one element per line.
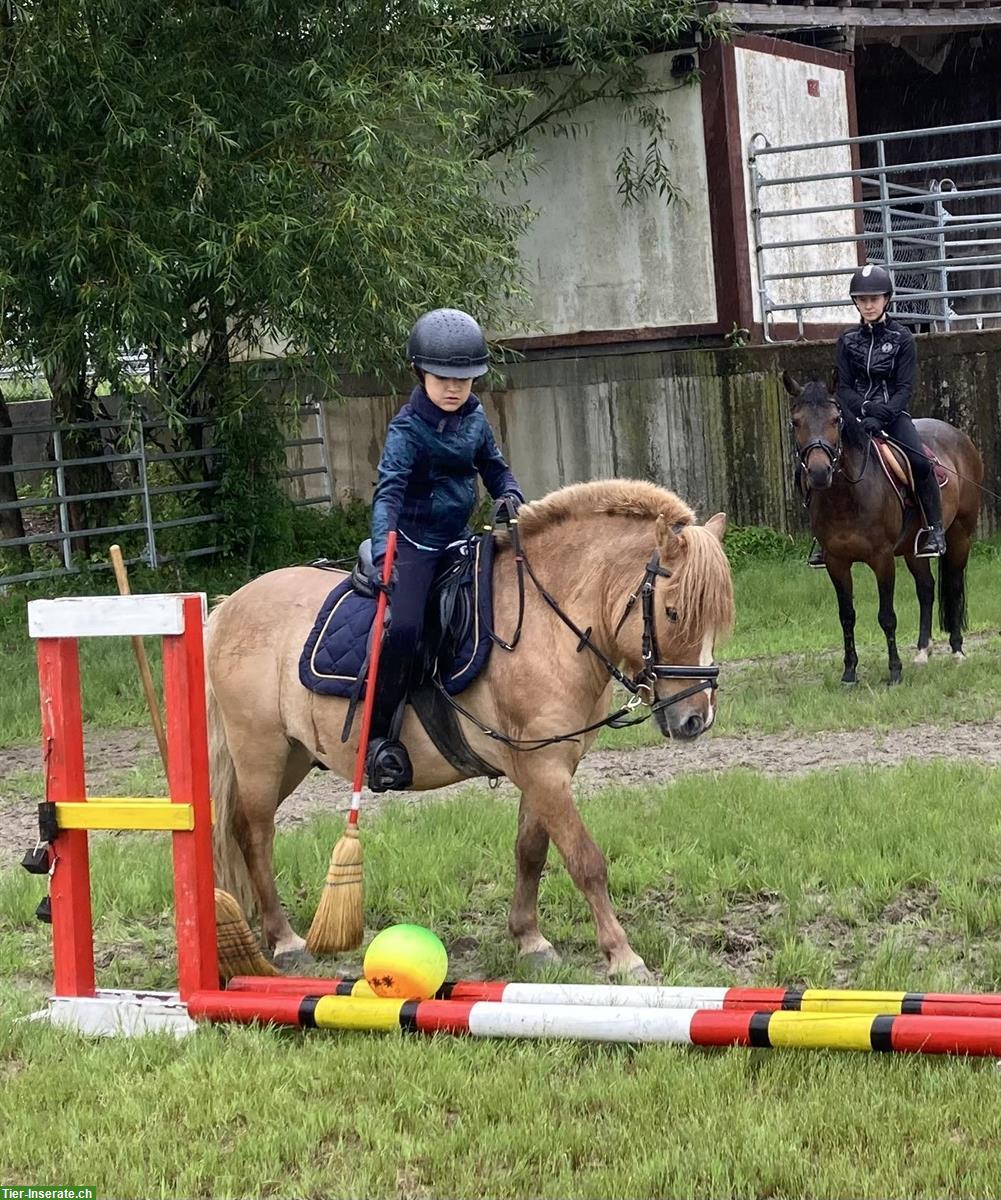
<point>608,497</point>
<point>701,588</point>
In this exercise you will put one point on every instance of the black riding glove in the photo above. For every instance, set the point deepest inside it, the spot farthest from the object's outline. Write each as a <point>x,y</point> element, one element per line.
<point>883,413</point>
<point>376,578</point>
<point>507,507</point>
<point>872,425</point>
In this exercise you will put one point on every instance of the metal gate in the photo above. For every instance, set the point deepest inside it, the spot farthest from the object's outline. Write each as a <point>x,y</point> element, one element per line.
<point>933,220</point>
<point>150,483</point>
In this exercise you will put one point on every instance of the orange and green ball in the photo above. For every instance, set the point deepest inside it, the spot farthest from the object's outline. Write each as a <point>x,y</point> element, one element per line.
<point>406,962</point>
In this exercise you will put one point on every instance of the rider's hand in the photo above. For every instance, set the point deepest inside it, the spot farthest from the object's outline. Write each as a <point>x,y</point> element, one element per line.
<point>883,413</point>
<point>872,425</point>
<point>376,578</point>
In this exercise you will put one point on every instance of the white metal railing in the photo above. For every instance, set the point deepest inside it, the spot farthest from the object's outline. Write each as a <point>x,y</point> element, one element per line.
<point>939,235</point>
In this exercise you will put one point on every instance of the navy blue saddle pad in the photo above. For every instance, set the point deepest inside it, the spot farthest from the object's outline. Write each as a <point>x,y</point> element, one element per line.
<point>335,651</point>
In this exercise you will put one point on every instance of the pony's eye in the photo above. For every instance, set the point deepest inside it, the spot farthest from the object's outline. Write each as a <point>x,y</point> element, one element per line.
<point>672,614</point>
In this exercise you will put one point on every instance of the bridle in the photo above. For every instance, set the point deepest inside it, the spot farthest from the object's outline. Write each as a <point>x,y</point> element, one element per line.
<point>833,450</point>
<point>640,686</point>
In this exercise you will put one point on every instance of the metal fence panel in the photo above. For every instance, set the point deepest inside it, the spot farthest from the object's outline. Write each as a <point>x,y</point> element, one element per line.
<point>908,216</point>
<point>132,456</point>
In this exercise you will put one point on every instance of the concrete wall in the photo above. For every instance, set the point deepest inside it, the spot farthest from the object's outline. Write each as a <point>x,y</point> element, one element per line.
<point>593,263</point>
<point>775,100</point>
<point>711,424</point>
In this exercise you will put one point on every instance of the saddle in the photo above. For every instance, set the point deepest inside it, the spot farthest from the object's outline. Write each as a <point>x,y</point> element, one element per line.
<point>898,470</point>
<point>455,643</point>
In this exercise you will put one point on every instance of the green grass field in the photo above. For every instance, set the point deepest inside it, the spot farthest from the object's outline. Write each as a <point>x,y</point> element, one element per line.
<point>874,879</point>
<point>857,877</point>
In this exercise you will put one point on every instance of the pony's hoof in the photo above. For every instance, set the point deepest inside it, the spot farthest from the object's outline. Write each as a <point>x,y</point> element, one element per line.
<point>921,658</point>
<point>849,680</point>
<point>540,960</point>
<point>293,962</point>
<point>894,680</point>
<point>633,971</point>
<point>958,656</point>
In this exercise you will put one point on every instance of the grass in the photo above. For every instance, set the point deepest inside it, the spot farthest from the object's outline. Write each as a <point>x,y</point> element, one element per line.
<point>782,609</point>
<point>865,878</point>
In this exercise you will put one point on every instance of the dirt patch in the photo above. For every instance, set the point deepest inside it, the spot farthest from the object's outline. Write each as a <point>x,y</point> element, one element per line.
<point>112,751</point>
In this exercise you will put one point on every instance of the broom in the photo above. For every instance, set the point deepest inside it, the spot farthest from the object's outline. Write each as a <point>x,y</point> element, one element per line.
<point>339,923</point>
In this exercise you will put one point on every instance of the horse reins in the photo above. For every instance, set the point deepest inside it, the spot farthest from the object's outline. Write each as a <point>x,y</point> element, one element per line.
<point>835,453</point>
<point>643,681</point>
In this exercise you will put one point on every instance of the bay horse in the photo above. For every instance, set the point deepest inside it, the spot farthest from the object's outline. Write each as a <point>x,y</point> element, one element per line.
<point>856,516</point>
<point>595,548</point>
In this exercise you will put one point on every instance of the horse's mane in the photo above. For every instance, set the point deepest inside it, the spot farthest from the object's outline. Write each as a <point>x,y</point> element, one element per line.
<point>701,588</point>
<point>608,497</point>
<point>817,394</point>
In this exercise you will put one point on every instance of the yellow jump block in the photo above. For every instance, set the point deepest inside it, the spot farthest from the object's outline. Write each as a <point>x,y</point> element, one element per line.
<point>125,812</point>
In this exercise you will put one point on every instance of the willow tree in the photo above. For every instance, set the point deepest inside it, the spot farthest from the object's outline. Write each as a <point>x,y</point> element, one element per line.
<point>179,175</point>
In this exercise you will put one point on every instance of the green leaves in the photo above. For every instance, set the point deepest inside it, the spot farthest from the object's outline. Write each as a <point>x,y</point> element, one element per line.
<point>314,169</point>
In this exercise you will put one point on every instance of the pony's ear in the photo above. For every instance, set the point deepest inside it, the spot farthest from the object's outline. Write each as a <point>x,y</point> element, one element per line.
<point>791,386</point>
<point>668,542</point>
<point>717,526</point>
<point>834,382</point>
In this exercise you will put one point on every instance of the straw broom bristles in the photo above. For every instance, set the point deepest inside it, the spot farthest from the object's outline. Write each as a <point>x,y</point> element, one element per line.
<point>239,953</point>
<point>339,923</point>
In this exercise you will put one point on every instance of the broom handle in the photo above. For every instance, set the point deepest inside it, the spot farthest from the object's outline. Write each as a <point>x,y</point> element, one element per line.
<point>139,650</point>
<point>373,674</point>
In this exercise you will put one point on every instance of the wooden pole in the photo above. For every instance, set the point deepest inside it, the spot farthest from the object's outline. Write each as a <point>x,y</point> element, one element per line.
<point>139,650</point>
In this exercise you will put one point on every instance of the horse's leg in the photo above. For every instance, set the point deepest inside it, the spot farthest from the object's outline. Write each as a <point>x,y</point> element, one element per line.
<point>840,573</point>
<point>885,570</point>
<point>952,568</point>
<point>530,852</point>
<point>924,584</point>
<point>547,800</point>
<point>267,770</point>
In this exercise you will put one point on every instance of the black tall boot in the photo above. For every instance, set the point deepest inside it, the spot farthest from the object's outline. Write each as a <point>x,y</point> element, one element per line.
<point>931,540</point>
<point>387,763</point>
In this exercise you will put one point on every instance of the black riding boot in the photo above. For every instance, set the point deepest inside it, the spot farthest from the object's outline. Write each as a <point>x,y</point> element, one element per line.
<point>816,558</point>
<point>387,763</point>
<point>931,540</point>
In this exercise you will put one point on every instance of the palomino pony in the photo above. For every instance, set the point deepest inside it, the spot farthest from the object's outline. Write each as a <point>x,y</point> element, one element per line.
<point>856,516</point>
<point>593,547</point>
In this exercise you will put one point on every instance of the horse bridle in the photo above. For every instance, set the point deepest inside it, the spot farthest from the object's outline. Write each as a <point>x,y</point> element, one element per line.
<point>639,686</point>
<point>834,452</point>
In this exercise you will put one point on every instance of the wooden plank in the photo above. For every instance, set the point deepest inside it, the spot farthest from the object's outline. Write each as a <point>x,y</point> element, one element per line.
<point>897,20</point>
<point>107,616</point>
<point>125,812</point>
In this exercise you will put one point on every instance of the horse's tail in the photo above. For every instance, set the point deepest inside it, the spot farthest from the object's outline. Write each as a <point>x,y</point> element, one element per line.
<point>951,595</point>
<point>231,872</point>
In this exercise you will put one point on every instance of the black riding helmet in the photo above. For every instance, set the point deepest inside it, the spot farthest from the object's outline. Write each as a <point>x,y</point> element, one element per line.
<point>449,343</point>
<point>871,280</point>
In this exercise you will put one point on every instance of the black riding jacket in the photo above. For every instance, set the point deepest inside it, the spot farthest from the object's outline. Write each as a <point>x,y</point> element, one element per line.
<point>876,362</point>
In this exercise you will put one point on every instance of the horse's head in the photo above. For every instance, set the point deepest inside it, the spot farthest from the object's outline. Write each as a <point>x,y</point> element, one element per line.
<point>817,428</point>
<point>687,607</point>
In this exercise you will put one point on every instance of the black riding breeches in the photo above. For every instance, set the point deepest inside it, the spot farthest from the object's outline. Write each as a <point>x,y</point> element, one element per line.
<point>902,431</point>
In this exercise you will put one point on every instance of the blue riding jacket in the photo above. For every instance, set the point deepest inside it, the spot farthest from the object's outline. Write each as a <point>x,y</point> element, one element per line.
<point>427,474</point>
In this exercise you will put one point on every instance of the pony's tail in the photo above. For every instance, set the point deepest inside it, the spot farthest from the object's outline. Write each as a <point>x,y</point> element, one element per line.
<point>951,595</point>
<point>231,874</point>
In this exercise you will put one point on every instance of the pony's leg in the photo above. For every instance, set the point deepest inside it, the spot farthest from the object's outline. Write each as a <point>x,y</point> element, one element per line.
<point>952,568</point>
<point>885,570</point>
<point>530,852</point>
<point>266,772</point>
<point>924,584</point>
<point>840,573</point>
<point>548,799</point>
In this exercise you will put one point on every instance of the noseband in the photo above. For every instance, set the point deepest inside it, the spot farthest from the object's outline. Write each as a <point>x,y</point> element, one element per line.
<point>652,669</point>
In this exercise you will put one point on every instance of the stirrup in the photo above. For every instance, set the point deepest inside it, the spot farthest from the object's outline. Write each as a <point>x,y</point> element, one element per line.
<point>388,766</point>
<point>923,543</point>
<point>816,558</point>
